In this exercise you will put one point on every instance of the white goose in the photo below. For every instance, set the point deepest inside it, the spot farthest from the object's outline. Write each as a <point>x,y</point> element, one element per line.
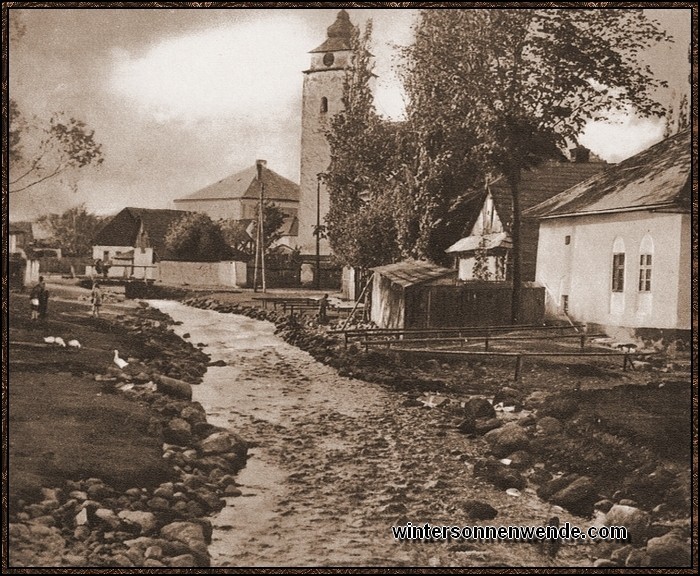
<point>74,344</point>
<point>50,339</point>
<point>118,361</point>
<point>59,341</point>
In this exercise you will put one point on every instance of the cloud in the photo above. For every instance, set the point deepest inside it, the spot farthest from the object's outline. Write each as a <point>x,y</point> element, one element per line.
<point>246,70</point>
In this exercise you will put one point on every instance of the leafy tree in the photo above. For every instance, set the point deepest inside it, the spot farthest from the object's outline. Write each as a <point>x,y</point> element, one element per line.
<point>272,226</point>
<point>73,231</point>
<point>39,151</point>
<point>195,237</point>
<point>360,223</point>
<point>502,90</point>
<point>240,235</point>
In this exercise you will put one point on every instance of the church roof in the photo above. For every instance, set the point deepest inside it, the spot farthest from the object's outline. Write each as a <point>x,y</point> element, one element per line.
<point>339,34</point>
<point>244,184</point>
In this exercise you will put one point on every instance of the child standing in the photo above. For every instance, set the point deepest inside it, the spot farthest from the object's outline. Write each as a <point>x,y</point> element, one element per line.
<point>35,297</point>
<point>96,299</point>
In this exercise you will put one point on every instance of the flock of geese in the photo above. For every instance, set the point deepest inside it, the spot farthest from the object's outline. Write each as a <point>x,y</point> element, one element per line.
<point>75,345</point>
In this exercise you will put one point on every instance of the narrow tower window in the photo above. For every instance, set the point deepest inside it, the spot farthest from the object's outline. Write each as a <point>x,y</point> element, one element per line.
<point>324,105</point>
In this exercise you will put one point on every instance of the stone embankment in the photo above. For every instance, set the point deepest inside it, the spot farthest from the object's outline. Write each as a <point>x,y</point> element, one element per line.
<point>87,522</point>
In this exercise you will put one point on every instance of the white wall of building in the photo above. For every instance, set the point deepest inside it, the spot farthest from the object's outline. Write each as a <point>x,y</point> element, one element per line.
<point>582,268</point>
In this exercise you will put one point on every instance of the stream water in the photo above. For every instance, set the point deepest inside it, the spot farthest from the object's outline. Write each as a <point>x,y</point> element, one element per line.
<point>335,462</point>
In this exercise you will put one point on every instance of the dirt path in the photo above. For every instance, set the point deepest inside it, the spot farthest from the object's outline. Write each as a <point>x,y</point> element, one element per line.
<point>336,462</point>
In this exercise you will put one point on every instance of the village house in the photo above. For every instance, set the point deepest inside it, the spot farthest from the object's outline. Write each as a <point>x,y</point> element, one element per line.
<point>237,197</point>
<point>484,253</point>
<point>614,251</point>
<point>23,268</point>
<point>133,241</point>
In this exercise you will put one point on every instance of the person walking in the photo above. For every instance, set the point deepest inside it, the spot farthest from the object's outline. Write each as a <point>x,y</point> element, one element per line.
<point>96,299</point>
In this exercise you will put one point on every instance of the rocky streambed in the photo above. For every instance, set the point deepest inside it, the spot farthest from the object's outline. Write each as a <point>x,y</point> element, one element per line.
<point>545,452</point>
<point>92,522</point>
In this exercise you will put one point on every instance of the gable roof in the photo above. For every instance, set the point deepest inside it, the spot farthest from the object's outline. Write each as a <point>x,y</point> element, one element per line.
<point>123,229</point>
<point>412,272</point>
<point>540,184</point>
<point>658,177</point>
<point>244,184</point>
<point>485,242</point>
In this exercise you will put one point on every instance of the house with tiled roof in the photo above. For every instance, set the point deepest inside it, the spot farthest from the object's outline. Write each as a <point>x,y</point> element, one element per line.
<point>133,241</point>
<point>484,253</point>
<point>615,250</point>
<point>237,196</point>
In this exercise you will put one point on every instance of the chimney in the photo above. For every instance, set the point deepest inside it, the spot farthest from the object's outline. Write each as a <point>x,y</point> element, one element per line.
<point>260,165</point>
<point>580,155</point>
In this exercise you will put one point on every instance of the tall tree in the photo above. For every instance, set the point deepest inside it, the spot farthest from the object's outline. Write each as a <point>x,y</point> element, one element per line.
<point>73,231</point>
<point>504,89</point>
<point>40,150</point>
<point>360,222</point>
<point>196,237</point>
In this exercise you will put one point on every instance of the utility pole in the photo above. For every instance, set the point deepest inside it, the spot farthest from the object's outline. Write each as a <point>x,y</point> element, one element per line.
<point>318,231</point>
<point>260,165</point>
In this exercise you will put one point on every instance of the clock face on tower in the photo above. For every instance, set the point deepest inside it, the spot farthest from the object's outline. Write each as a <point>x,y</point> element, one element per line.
<point>328,58</point>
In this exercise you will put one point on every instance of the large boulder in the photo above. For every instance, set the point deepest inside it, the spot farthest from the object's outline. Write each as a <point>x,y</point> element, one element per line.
<point>668,551</point>
<point>479,408</point>
<point>548,426</point>
<point>507,439</point>
<point>178,431</point>
<point>578,497</point>
<point>190,534</point>
<point>221,442</point>
<point>499,474</point>
<point>145,520</point>
<point>635,520</point>
<point>477,510</point>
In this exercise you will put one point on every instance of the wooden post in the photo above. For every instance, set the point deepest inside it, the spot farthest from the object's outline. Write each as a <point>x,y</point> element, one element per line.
<point>583,342</point>
<point>518,368</point>
<point>357,302</point>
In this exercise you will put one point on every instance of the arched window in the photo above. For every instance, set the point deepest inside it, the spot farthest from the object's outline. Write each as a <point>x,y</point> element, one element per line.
<point>618,266</point>
<point>646,251</point>
<point>324,105</point>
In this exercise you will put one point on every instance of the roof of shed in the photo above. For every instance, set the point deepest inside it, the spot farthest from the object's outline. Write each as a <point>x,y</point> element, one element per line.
<point>412,272</point>
<point>655,178</point>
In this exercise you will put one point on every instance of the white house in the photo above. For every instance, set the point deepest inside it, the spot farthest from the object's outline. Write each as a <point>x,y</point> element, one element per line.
<point>485,253</point>
<point>615,251</point>
<point>133,241</point>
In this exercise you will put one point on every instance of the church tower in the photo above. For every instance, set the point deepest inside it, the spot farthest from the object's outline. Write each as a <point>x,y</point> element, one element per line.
<point>321,99</point>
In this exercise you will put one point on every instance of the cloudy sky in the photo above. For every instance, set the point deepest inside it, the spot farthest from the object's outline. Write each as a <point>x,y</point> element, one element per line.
<point>180,98</point>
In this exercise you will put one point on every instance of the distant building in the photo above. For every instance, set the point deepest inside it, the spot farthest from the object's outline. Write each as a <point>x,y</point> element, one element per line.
<point>615,250</point>
<point>23,268</point>
<point>133,241</point>
<point>487,247</point>
<point>21,237</point>
<point>237,198</point>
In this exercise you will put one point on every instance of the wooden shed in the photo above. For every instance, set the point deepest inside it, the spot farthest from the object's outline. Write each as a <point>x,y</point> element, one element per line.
<point>398,300</point>
<point>415,294</point>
